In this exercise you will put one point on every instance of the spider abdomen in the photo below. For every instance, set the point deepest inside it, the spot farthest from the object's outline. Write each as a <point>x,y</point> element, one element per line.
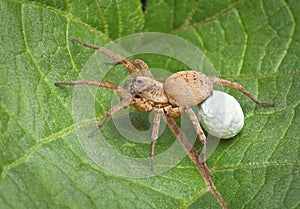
<point>188,88</point>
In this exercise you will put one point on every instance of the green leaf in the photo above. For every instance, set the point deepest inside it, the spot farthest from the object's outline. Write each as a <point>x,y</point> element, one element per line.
<point>42,162</point>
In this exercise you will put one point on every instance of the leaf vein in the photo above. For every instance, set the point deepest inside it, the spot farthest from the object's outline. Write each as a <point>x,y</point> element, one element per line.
<point>244,45</point>
<point>65,14</point>
<point>209,19</point>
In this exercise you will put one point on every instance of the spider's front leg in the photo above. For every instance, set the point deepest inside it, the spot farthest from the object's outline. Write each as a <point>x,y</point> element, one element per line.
<point>126,97</point>
<point>135,67</point>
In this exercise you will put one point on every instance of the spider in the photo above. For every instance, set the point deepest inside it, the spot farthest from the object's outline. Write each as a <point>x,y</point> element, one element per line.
<point>167,100</point>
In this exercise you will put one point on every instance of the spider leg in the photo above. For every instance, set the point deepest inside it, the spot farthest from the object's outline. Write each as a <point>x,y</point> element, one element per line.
<point>126,97</point>
<point>113,63</point>
<point>122,92</point>
<point>239,87</point>
<point>199,131</point>
<point>104,84</point>
<point>113,110</point>
<point>193,155</point>
<point>118,58</point>
<point>156,121</point>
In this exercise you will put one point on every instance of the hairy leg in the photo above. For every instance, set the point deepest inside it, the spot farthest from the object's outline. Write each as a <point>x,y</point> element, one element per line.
<point>121,92</point>
<point>202,168</point>
<point>126,97</point>
<point>113,110</point>
<point>199,131</point>
<point>156,121</point>
<point>239,87</point>
<point>118,58</point>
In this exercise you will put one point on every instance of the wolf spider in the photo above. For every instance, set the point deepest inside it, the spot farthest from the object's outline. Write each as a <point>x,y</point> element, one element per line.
<point>168,100</point>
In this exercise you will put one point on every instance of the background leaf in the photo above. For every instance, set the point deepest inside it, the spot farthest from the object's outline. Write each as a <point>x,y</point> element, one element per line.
<point>42,164</point>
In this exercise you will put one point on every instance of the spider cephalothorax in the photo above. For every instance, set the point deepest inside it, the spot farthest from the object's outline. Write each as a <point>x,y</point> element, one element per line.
<point>169,100</point>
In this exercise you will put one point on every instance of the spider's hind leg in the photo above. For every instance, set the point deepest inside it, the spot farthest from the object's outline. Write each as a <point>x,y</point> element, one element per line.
<point>235,85</point>
<point>192,152</point>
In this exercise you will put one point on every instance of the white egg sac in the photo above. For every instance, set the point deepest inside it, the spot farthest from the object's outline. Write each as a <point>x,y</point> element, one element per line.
<point>221,115</point>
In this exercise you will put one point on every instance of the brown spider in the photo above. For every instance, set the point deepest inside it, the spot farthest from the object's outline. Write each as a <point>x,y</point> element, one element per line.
<point>169,100</point>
